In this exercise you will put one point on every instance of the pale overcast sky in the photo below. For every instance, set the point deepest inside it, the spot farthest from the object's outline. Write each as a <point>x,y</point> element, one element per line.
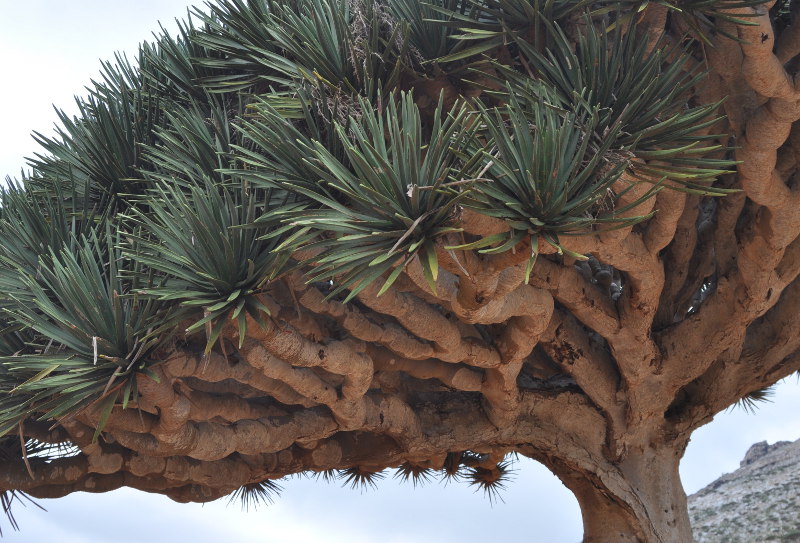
<point>49,50</point>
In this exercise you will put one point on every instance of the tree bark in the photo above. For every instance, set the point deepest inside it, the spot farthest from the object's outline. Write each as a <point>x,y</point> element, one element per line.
<point>639,500</point>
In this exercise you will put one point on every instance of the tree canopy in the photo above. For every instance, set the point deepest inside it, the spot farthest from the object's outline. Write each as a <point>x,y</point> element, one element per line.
<point>342,236</point>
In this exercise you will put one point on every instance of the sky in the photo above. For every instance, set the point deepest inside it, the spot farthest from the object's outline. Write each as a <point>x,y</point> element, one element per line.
<point>49,51</point>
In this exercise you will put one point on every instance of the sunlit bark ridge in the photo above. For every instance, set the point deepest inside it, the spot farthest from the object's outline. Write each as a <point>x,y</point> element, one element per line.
<point>599,369</point>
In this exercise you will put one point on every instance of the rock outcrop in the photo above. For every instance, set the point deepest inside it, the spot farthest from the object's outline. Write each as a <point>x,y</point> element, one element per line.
<point>759,502</point>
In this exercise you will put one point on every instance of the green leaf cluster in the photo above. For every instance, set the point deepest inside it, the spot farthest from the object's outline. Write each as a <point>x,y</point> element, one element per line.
<point>338,139</point>
<point>201,243</point>
<point>72,330</point>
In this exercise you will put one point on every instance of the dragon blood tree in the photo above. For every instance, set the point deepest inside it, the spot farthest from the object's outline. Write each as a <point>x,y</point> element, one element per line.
<point>353,235</point>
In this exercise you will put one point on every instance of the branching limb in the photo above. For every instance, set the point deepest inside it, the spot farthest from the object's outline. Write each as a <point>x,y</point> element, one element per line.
<point>427,323</point>
<point>592,368</point>
<point>675,260</point>
<point>214,368</point>
<point>451,375</point>
<point>360,326</point>
<point>584,300</point>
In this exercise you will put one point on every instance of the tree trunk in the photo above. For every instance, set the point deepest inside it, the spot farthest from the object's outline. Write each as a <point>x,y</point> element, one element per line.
<point>639,500</point>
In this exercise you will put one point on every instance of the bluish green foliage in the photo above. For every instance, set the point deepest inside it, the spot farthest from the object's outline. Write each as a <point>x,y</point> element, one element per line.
<point>350,130</point>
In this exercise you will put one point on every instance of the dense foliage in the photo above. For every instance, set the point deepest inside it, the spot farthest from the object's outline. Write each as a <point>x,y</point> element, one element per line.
<point>352,130</point>
<point>339,142</point>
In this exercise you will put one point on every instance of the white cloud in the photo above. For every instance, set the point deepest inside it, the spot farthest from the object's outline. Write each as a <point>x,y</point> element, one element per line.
<point>51,51</point>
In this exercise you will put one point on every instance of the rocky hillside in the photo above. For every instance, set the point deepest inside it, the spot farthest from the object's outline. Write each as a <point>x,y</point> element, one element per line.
<point>759,502</point>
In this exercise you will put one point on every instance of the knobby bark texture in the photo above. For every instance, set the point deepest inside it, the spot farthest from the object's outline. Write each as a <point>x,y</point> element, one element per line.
<point>600,370</point>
